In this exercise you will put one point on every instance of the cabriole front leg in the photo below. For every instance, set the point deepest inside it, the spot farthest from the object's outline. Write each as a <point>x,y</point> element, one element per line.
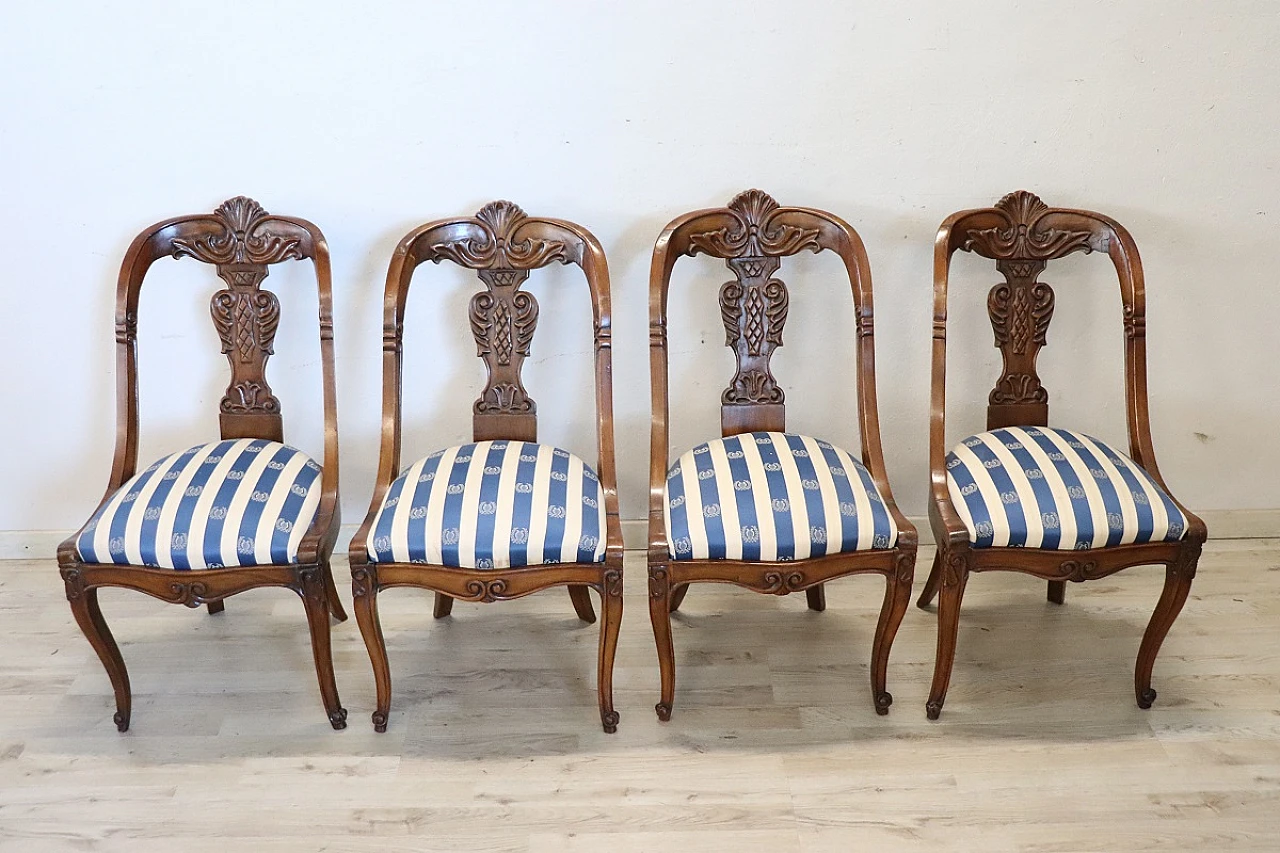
<point>315,599</point>
<point>897,595</point>
<point>954,577</point>
<point>660,616</point>
<point>1177,586</point>
<point>88,615</point>
<point>364,592</point>
<point>610,622</point>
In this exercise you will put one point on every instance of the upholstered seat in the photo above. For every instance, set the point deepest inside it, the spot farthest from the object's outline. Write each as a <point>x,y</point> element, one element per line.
<point>242,502</point>
<point>1038,487</point>
<point>773,496</point>
<point>492,505</point>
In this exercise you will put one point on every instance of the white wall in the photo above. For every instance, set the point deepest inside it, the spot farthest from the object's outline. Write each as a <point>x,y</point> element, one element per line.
<point>371,118</point>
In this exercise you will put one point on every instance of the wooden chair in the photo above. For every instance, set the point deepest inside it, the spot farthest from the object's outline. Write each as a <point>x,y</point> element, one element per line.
<point>768,510</point>
<point>1052,503</point>
<point>217,519</point>
<point>502,517</point>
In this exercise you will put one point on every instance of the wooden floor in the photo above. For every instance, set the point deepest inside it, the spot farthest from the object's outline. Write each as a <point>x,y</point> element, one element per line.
<point>495,742</point>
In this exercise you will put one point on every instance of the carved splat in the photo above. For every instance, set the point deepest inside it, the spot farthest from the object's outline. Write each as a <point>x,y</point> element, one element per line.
<point>754,306</point>
<point>503,317</point>
<point>1021,308</point>
<point>245,316</point>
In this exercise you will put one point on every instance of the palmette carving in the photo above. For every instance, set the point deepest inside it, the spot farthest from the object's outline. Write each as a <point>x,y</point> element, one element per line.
<point>247,238</point>
<point>498,245</point>
<point>755,232</point>
<point>1024,238</point>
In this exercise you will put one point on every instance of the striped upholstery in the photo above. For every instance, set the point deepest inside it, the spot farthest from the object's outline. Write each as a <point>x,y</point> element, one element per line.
<point>242,502</point>
<point>772,496</point>
<point>1038,487</point>
<point>492,505</point>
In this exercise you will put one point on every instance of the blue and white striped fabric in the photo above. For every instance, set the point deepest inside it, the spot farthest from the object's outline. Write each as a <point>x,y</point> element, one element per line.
<point>241,502</point>
<point>1037,487</point>
<point>772,496</point>
<point>492,505</point>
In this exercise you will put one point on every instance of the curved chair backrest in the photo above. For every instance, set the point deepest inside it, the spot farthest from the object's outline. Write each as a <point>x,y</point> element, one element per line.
<point>503,245</point>
<point>1022,234</point>
<point>752,235</point>
<point>242,240</point>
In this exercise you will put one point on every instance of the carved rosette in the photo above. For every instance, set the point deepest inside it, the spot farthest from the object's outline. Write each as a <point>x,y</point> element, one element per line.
<point>1021,308</point>
<point>245,316</point>
<point>503,318</point>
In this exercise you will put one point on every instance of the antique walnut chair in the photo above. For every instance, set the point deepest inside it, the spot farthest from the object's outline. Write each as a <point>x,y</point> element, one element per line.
<point>1053,503</point>
<point>198,526</point>
<point>772,511</point>
<point>504,516</point>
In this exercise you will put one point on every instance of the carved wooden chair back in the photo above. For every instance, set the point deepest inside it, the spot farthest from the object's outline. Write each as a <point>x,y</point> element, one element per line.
<point>503,245</point>
<point>242,241</point>
<point>1022,235</point>
<point>753,234</point>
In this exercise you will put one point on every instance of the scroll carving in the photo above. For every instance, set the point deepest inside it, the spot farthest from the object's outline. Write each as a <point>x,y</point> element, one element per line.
<point>1021,308</point>
<point>244,315</point>
<point>777,583</point>
<point>755,231</point>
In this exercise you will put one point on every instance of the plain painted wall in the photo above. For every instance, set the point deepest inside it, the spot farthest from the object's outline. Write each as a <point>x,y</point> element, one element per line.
<point>371,118</point>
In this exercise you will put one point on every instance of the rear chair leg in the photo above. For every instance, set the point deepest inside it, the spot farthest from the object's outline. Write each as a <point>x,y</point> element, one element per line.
<point>444,605</point>
<point>581,598</point>
<point>216,607</point>
<point>931,584</point>
<point>817,596</point>
<point>1057,592</point>
<point>677,597</point>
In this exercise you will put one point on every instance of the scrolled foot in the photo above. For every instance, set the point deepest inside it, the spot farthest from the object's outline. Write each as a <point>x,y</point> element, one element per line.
<point>338,719</point>
<point>933,710</point>
<point>122,722</point>
<point>1148,696</point>
<point>610,721</point>
<point>664,711</point>
<point>379,721</point>
<point>883,700</point>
